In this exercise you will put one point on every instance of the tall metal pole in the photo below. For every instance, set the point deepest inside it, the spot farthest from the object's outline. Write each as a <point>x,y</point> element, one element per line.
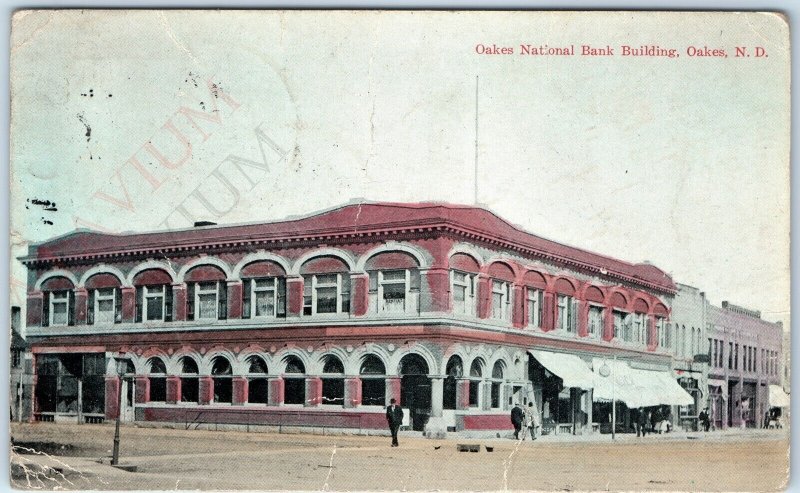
<point>614,399</point>
<point>115,456</point>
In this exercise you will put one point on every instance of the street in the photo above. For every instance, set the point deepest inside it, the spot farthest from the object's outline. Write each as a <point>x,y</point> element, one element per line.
<point>201,459</point>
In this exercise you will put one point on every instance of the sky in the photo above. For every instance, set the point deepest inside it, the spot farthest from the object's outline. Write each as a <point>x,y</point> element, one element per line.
<point>146,120</point>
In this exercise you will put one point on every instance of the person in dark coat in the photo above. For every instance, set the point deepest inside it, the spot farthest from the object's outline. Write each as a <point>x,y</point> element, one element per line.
<point>705,422</point>
<point>641,420</point>
<point>394,415</point>
<point>517,418</point>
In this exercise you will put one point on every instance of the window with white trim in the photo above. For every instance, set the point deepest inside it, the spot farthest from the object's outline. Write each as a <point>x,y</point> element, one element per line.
<point>595,325</point>
<point>661,330</point>
<point>535,302</point>
<point>326,294</point>
<point>620,319</point>
<point>501,300</point>
<point>567,310</point>
<point>59,307</point>
<point>104,305</point>
<point>463,286</point>
<point>639,328</point>
<point>264,298</point>
<point>154,303</point>
<point>394,291</point>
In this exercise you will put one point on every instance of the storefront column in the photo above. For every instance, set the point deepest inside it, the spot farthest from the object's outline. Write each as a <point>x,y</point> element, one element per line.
<point>112,397</point>
<point>294,294</point>
<point>205,390</point>
<point>142,389</point>
<point>437,395</point>
<point>462,394</point>
<point>313,391</point>
<point>173,390</point>
<point>276,391</point>
<point>240,387</point>
<point>587,406</point>
<point>352,392</point>
<point>393,386</point>
<point>81,298</point>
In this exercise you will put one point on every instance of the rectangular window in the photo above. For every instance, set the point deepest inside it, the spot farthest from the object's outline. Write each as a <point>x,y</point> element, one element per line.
<point>206,300</point>
<point>736,357</point>
<point>393,290</point>
<point>104,304</point>
<point>535,298</point>
<point>663,334</point>
<point>620,323</point>
<point>500,300</point>
<point>566,314</point>
<point>158,389</point>
<point>473,392</point>
<point>639,328</point>
<point>730,356</point>
<point>463,288</point>
<point>294,390</point>
<point>595,325</point>
<point>373,391</point>
<point>762,360</point>
<point>326,293</point>
<point>154,301</point>
<point>59,307</point>
<point>267,297</point>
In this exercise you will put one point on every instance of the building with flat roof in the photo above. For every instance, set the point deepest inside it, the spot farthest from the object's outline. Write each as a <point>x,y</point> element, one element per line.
<point>318,321</point>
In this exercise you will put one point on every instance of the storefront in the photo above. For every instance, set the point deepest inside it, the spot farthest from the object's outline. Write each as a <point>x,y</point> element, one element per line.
<point>562,386</point>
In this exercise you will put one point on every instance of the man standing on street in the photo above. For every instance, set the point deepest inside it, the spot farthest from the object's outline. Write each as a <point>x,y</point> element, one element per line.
<point>394,415</point>
<point>517,417</point>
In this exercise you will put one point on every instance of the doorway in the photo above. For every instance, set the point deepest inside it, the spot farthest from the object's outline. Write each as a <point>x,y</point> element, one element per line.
<point>415,390</point>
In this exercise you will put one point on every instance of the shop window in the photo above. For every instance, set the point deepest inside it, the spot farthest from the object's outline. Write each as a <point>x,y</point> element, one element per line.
<point>567,310</point>
<point>158,380</point>
<point>258,384</point>
<point>294,381</point>
<point>501,300</point>
<point>333,382</point>
<point>463,286</point>
<point>16,358</point>
<point>373,381</point>
<point>93,376</point>
<point>497,382</point>
<point>595,325</point>
<point>190,384</point>
<point>264,298</point>
<point>221,374</point>
<point>535,303</point>
<point>326,294</point>
<point>154,303</point>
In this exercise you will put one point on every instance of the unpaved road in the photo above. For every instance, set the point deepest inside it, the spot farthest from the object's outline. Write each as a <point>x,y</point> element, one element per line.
<point>197,459</point>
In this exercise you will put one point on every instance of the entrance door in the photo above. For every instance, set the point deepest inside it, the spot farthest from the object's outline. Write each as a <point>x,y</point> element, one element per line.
<point>127,413</point>
<point>415,390</point>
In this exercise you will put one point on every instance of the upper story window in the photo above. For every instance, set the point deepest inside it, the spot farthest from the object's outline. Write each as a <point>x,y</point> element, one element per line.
<point>661,332</point>
<point>535,303</point>
<point>639,330</point>
<point>104,306</point>
<point>567,310</point>
<point>620,322</point>
<point>207,300</point>
<point>501,300</point>
<point>154,303</point>
<point>595,325</point>
<point>264,298</point>
<point>59,307</point>
<point>326,293</point>
<point>463,287</point>
<point>394,291</point>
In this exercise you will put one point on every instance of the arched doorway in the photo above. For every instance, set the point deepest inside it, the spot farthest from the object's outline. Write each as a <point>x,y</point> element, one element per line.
<point>454,371</point>
<point>415,389</point>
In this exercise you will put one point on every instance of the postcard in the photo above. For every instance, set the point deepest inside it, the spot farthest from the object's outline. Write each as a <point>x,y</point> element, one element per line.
<point>399,250</point>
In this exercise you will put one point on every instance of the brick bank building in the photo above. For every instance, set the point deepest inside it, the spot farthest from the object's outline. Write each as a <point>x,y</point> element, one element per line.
<point>319,321</point>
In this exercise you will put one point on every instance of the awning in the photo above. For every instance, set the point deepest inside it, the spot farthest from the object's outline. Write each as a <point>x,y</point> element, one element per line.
<point>570,368</point>
<point>777,397</point>
<point>637,388</point>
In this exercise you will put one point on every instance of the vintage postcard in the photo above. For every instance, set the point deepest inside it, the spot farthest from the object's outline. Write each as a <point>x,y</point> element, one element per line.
<point>399,250</point>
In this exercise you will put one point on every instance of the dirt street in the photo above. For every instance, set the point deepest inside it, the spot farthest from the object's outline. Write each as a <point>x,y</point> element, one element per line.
<point>197,459</point>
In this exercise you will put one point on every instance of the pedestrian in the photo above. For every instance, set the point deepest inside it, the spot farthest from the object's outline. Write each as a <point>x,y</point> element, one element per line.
<point>642,422</point>
<point>705,422</point>
<point>394,415</point>
<point>517,418</point>
<point>528,422</point>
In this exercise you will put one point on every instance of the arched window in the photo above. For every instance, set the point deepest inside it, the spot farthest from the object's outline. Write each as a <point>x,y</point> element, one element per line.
<point>373,381</point>
<point>104,302</point>
<point>454,371</point>
<point>258,385</point>
<point>393,283</point>
<point>476,375</point>
<point>206,293</point>
<point>157,371</point>
<point>464,283</point>
<point>333,381</point>
<point>221,374</point>
<point>190,391</point>
<point>263,290</point>
<point>497,383</point>
<point>58,305</point>
<point>294,381</point>
<point>326,286</point>
<point>153,296</point>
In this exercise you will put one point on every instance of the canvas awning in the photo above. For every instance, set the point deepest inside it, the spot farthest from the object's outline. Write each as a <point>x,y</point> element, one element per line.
<point>635,387</point>
<point>570,368</point>
<point>777,397</point>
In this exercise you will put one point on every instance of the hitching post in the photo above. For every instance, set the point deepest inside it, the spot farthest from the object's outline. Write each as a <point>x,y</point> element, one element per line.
<point>122,367</point>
